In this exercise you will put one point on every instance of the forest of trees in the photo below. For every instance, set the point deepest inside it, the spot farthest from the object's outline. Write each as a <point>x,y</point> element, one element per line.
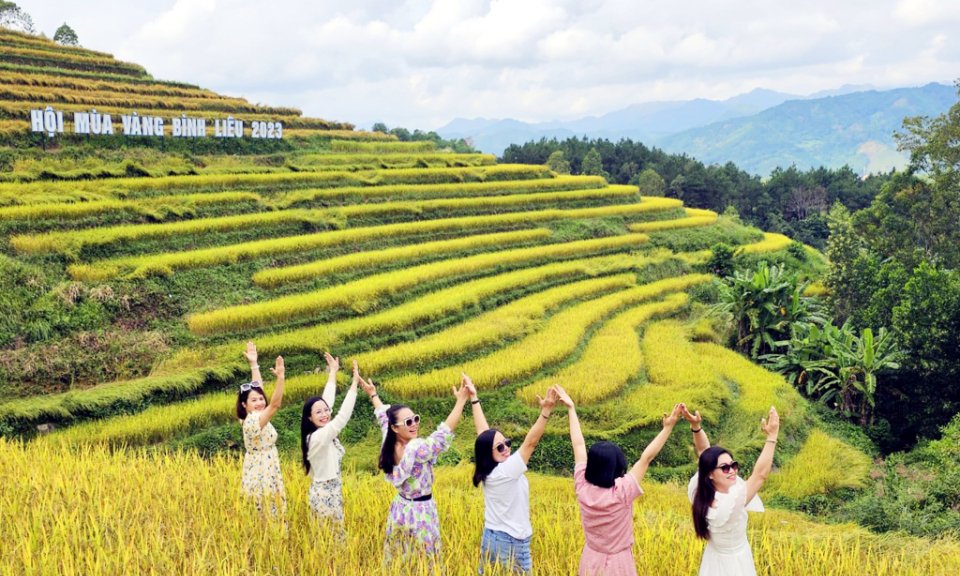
<point>791,202</point>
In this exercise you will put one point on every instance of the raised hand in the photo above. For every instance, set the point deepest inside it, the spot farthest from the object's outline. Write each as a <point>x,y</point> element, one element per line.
<point>771,424</point>
<point>562,395</point>
<point>333,363</point>
<point>251,353</point>
<point>468,382</point>
<point>463,392</point>
<point>278,370</point>
<point>551,400</point>
<point>669,421</point>
<point>356,375</point>
<point>694,419</point>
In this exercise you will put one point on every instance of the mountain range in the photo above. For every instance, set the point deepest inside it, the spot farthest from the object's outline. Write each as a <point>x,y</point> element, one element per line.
<point>758,131</point>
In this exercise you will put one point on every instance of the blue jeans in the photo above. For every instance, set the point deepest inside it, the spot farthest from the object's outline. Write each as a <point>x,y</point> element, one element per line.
<point>501,548</point>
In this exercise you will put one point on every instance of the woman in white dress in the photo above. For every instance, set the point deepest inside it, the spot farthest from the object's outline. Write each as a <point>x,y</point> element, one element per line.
<point>721,499</point>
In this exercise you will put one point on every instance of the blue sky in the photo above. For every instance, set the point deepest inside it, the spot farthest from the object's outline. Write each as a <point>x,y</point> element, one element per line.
<point>421,63</point>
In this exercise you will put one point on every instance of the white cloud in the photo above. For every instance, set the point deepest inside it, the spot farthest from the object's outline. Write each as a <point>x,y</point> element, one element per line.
<point>420,63</point>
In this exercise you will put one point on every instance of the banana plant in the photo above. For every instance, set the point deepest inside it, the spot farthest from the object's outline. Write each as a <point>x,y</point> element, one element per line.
<point>765,304</point>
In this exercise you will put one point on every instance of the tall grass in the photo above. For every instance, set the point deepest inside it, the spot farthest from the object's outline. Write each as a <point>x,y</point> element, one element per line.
<point>168,263</point>
<point>507,322</point>
<point>612,357</point>
<point>554,342</point>
<point>824,465</point>
<point>365,260</point>
<point>348,146</point>
<point>99,512</point>
<point>13,193</point>
<point>695,218</point>
<point>363,294</point>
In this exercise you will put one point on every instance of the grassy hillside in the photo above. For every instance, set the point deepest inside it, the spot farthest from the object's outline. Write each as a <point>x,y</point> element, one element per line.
<point>133,277</point>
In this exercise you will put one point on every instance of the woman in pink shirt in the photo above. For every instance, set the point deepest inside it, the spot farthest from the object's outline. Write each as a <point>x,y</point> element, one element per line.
<point>605,492</point>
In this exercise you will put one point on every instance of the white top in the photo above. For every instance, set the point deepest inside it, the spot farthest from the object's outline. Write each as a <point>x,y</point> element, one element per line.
<point>506,494</point>
<point>728,550</point>
<point>324,450</point>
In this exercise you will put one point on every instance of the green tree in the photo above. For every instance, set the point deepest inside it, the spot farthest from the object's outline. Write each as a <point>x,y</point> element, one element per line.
<point>379,127</point>
<point>66,36</point>
<point>651,183</point>
<point>14,18</point>
<point>558,163</point>
<point>677,186</point>
<point>843,248</point>
<point>592,164</point>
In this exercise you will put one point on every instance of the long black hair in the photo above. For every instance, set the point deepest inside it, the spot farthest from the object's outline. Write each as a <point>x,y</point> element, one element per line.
<point>388,457</point>
<point>307,427</point>
<point>605,463</point>
<point>706,491</point>
<point>483,456</point>
<point>242,397</point>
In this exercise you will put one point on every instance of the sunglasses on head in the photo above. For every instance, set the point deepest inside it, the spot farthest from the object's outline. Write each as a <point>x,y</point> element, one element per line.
<point>502,447</point>
<point>250,385</point>
<point>726,468</point>
<point>411,421</point>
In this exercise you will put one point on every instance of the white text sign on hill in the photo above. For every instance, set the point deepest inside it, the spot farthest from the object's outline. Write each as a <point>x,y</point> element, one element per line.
<point>50,122</point>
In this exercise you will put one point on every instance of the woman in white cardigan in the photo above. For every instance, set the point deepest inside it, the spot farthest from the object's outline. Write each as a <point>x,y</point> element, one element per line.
<point>322,451</point>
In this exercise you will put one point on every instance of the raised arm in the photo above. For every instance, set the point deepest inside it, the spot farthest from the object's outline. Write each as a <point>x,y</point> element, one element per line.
<point>251,356</point>
<point>536,432</point>
<point>639,469</point>
<point>479,420</point>
<point>335,426</point>
<point>277,398</point>
<point>370,389</point>
<point>461,394</point>
<point>761,471</point>
<point>576,434</point>
<point>700,440</point>
<point>330,389</point>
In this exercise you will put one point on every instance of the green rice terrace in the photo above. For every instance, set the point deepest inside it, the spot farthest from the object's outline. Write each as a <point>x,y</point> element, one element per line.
<point>133,278</point>
<point>133,274</point>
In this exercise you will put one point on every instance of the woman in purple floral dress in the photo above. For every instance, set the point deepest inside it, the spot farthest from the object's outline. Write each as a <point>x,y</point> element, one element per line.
<point>407,461</point>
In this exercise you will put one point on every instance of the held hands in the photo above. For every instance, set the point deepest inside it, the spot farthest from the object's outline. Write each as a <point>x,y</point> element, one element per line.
<point>771,424</point>
<point>563,397</point>
<point>368,386</point>
<point>333,363</point>
<point>278,370</point>
<point>694,419</point>
<point>468,382</point>
<point>251,353</point>
<point>550,401</point>
<point>669,421</point>
<point>463,393</point>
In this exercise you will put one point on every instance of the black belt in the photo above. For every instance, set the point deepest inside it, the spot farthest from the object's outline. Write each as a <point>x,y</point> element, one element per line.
<point>423,498</point>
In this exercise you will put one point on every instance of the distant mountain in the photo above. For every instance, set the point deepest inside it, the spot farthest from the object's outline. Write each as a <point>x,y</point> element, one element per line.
<point>759,130</point>
<point>646,122</point>
<point>854,128</point>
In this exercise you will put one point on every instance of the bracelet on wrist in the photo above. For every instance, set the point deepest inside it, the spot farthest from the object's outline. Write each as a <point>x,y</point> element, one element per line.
<point>774,441</point>
<point>254,366</point>
<point>477,401</point>
<point>545,417</point>
<point>697,430</point>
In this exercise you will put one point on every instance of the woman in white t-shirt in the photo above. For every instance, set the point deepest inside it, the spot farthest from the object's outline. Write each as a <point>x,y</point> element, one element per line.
<point>506,492</point>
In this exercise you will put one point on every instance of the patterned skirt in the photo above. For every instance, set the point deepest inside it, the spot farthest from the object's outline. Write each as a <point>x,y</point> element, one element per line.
<point>326,499</point>
<point>412,528</point>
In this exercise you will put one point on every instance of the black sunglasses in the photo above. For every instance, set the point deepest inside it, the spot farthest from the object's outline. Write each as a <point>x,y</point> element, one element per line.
<point>726,468</point>
<point>502,447</point>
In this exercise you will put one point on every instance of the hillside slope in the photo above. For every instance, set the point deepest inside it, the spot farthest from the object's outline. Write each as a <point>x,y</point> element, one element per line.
<point>854,129</point>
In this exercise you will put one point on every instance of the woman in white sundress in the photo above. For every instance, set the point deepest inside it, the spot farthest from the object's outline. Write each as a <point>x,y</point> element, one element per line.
<point>721,499</point>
